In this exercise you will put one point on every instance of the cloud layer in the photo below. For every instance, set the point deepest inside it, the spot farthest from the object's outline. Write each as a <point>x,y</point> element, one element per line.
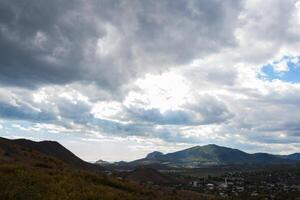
<point>107,42</point>
<point>160,73</point>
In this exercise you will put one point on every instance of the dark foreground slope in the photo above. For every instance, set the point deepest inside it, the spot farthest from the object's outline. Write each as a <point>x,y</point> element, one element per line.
<point>27,151</point>
<point>45,171</point>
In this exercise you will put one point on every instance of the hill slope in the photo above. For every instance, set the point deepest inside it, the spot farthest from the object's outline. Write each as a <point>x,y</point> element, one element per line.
<point>30,152</point>
<point>294,156</point>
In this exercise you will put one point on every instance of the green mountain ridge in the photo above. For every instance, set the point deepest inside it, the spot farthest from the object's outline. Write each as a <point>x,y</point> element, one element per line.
<point>213,155</point>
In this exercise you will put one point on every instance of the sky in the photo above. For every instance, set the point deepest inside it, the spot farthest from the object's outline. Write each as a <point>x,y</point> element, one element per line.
<point>117,79</point>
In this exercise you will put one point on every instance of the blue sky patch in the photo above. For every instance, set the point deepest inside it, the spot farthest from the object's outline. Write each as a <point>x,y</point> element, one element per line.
<point>269,72</point>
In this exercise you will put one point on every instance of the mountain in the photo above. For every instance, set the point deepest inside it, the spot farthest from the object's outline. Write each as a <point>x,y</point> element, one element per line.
<point>102,162</point>
<point>294,156</point>
<point>30,152</point>
<point>154,155</point>
<point>210,155</point>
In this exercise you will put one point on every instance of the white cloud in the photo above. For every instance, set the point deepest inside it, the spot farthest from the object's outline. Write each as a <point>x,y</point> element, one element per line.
<point>108,110</point>
<point>167,91</point>
<point>281,67</point>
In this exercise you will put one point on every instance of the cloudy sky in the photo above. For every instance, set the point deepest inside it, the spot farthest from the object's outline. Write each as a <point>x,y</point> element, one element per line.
<point>115,79</point>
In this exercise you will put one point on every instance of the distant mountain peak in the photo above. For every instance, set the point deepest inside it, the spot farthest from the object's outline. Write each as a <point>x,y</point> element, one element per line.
<point>212,145</point>
<point>208,146</point>
<point>154,155</point>
<point>102,162</point>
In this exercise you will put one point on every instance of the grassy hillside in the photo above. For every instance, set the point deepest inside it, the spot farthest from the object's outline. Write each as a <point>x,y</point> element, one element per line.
<point>19,182</point>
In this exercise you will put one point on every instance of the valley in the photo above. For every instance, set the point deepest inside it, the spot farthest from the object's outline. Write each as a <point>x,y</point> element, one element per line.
<point>47,170</point>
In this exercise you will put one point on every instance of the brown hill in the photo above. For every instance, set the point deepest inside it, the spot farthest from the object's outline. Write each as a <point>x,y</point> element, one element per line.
<point>40,153</point>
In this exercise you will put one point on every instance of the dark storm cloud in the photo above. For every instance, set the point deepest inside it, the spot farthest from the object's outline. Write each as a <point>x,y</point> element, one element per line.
<point>38,44</point>
<point>107,42</point>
